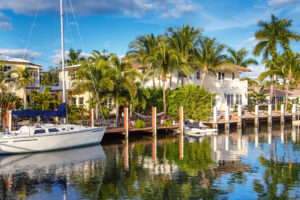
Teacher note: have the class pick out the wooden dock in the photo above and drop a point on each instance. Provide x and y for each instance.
(136, 130)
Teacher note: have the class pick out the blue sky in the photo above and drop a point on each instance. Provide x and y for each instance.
(113, 24)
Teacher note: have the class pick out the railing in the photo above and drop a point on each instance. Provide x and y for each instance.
(35, 83)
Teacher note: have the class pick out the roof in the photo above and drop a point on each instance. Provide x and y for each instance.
(294, 92)
(233, 67)
(8, 59)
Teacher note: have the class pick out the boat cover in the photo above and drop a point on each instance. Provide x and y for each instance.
(60, 112)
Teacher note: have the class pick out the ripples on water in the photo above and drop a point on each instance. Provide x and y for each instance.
(256, 164)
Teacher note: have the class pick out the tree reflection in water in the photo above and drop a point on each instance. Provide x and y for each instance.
(168, 168)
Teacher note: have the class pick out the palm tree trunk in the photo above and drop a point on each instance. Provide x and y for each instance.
(202, 78)
(271, 91)
(153, 82)
(25, 99)
(164, 94)
(182, 80)
(130, 109)
(287, 86)
(171, 76)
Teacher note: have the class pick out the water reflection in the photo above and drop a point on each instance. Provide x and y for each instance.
(256, 163)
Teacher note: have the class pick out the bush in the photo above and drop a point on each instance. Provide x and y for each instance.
(197, 102)
(167, 123)
(139, 124)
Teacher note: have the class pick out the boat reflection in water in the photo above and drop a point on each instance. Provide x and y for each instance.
(22, 175)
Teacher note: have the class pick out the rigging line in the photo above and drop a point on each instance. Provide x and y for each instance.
(83, 48)
(32, 25)
(68, 27)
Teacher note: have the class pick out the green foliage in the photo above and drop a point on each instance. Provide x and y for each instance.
(50, 77)
(195, 100)
(77, 112)
(139, 124)
(167, 123)
(43, 101)
(155, 99)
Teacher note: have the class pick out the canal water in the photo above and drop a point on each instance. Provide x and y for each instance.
(261, 163)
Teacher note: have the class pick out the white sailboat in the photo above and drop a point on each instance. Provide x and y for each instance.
(49, 137)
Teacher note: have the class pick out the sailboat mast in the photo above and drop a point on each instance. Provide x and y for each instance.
(62, 52)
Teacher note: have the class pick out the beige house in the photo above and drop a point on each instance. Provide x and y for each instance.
(15, 63)
(72, 97)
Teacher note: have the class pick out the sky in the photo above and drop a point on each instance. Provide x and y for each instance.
(31, 28)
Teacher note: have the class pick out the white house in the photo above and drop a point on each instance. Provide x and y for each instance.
(226, 84)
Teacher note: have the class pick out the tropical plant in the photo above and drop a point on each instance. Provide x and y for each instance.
(21, 78)
(139, 124)
(272, 34)
(251, 82)
(44, 101)
(74, 57)
(183, 40)
(257, 97)
(208, 57)
(50, 77)
(239, 58)
(196, 101)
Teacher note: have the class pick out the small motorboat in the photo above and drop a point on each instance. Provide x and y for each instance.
(197, 129)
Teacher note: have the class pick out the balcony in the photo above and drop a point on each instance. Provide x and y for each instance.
(34, 84)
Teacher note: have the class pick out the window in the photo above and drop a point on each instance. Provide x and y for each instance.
(219, 75)
(237, 99)
(51, 130)
(223, 75)
(7, 68)
(229, 100)
(232, 76)
(198, 74)
(81, 99)
(73, 101)
(39, 131)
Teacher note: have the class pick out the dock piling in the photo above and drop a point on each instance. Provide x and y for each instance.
(256, 120)
(126, 128)
(154, 130)
(282, 114)
(9, 120)
(215, 124)
(240, 114)
(181, 119)
(270, 115)
(91, 117)
(227, 123)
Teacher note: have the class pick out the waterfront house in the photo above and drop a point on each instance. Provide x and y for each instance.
(9, 63)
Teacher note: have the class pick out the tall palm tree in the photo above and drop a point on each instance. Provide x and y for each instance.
(272, 34)
(183, 40)
(22, 78)
(164, 61)
(251, 82)
(209, 57)
(239, 58)
(74, 57)
(290, 70)
(143, 50)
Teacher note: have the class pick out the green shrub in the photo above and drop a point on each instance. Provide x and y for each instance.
(139, 124)
(196, 101)
(167, 123)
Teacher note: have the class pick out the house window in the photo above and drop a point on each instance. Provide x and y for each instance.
(229, 100)
(81, 100)
(219, 75)
(198, 74)
(223, 75)
(73, 100)
(7, 68)
(232, 76)
(237, 99)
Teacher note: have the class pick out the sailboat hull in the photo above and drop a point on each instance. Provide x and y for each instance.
(50, 142)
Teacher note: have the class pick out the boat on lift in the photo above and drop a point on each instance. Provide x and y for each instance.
(197, 129)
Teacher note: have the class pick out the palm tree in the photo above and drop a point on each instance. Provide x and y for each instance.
(143, 49)
(163, 61)
(50, 77)
(272, 34)
(22, 78)
(257, 97)
(74, 57)
(290, 70)
(239, 58)
(251, 82)
(44, 101)
(183, 40)
(209, 56)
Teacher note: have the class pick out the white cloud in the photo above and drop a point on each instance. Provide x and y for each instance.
(132, 8)
(4, 23)
(256, 70)
(248, 43)
(181, 8)
(20, 53)
(280, 3)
